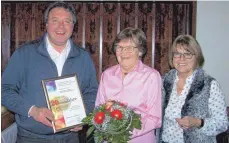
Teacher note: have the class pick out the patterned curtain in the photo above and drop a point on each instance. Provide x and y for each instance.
(5, 35)
(97, 25)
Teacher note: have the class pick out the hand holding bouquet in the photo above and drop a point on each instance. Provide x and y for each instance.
(112, 122)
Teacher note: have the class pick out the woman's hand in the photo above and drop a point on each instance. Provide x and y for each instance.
(188, 122)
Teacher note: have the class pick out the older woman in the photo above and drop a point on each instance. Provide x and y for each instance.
(194, 105)
(133, 83)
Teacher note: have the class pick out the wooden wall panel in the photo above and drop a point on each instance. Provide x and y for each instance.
(181, 19)
(92, 32)
(5, 34)
(163, 35)
(97, 25)
(78, 35)
(109, 27)
(13, 39)
(23, 24)
(127, 15)
(146, 14)
(38, 19)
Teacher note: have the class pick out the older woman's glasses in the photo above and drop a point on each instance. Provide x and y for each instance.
(128, 48)
(185, 55)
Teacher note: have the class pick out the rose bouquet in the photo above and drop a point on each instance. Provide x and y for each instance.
(112, 122)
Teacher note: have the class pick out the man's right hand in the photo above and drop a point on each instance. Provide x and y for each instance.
(43, 115)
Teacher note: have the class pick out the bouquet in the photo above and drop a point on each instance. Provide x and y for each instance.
(112, 122)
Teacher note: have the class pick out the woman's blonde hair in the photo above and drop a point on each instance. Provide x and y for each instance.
(189, 44)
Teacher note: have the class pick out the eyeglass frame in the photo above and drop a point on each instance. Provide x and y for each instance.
(121, 48)
(183, 54)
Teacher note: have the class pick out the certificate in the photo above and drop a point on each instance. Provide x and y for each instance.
(64, 99)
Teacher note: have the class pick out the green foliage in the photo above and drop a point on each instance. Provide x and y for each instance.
(136, 123)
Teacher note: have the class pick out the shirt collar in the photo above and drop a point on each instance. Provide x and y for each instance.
(53, 53)
(138, 68)
(189, 79)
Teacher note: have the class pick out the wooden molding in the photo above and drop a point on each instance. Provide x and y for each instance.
(7, 120)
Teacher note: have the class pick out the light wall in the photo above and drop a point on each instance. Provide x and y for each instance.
(212, 34)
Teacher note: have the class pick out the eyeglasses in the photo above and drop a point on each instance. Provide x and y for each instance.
(128, 48)
(185, 55)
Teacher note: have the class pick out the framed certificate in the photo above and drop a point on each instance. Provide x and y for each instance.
(64, 99)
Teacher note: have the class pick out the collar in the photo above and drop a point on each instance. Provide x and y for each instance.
(189, 78)
(74, 50)
(138, 68)
(53, 53)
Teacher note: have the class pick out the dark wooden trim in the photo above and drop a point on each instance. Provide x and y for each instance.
(7, 119)
(194, 12)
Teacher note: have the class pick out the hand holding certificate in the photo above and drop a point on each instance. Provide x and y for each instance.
(64, 99)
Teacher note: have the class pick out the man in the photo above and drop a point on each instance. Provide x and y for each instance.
(54, 55)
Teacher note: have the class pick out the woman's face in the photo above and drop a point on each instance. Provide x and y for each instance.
(127, 54)
(184, 61)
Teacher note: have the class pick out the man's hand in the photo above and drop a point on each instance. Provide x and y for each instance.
(77, 128)
(43, 115)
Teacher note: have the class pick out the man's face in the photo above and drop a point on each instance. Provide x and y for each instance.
(59, 26)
